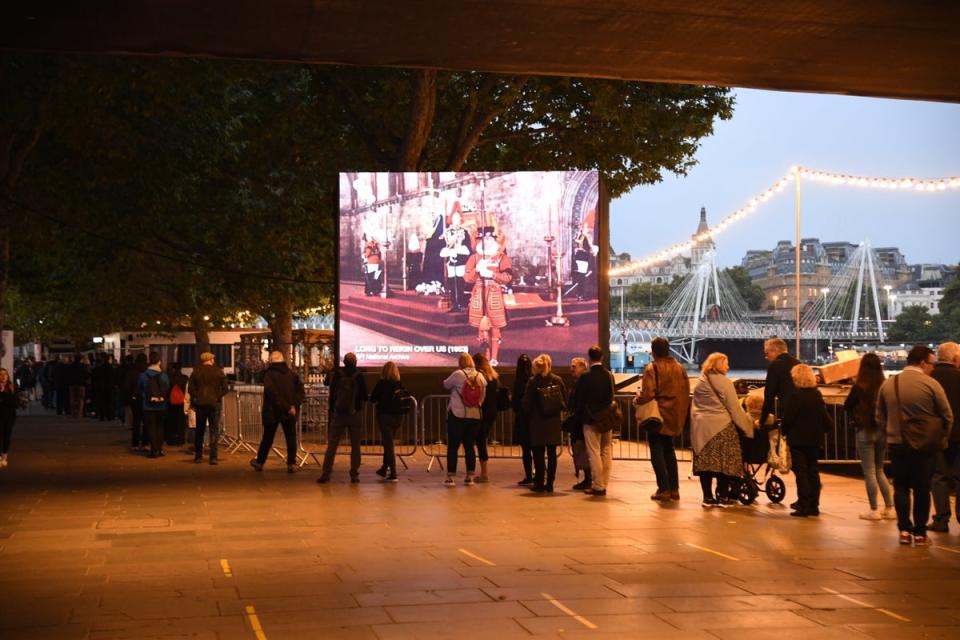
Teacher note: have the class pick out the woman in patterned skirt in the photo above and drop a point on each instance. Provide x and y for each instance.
(715, 415)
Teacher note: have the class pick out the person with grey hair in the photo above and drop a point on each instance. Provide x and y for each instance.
(779, 385)
(348, 392)
(282, 396)
(946, 475)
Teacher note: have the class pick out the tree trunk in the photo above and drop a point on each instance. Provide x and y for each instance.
(281, 329)
(201, 334)
(423, 105)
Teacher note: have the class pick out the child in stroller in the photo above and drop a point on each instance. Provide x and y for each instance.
(761, 457)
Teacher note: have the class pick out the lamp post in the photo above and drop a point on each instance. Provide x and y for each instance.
(823, 321)
(887, 288)
(890, 305)
(776, 306)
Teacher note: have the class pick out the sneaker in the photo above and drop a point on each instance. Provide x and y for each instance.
(580, 486)
(920, 541)
(525, 482)
(889, 513)
(382, 472)
(596, 492)
(799, 514)
(709, 502)
(213, 462)
(392, 478)
(906, 537)
(481, 479)
(197, 460)
(324, 479)
(468, 481)
(873, 514)
(940, 526)
(449, 482)
(257, 466)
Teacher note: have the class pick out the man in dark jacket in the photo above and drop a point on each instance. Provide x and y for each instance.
(779, 385)
(207, 386)
(946, 476)
(154, 386)
(595, 388)
(348, 392)
(282, 396)
(130, 388)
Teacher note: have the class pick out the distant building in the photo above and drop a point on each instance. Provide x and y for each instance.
(914, 296)
(663, 273)
(775, 271)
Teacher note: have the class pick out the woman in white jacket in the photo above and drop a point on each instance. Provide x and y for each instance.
(715, 415)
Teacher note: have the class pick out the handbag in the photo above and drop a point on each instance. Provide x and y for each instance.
(551, 400)
(779, 455)
(921, 433)
(610, 417)
(648, 414)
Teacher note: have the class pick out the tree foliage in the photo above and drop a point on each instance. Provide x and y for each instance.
(174, 189)
(914, 324)
(752, 294)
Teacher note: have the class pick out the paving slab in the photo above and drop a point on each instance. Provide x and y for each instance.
(99, 543)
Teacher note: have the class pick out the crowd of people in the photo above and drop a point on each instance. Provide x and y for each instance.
(908, 416)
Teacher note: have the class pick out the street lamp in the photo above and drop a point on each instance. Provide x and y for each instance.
(824, 291)
(893, 299)
(776, 306)
(887, 288)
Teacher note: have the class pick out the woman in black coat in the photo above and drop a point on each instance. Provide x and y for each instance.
(389, 416)
(8, 413)
(805, 421)
(521, 431)
(544, 401)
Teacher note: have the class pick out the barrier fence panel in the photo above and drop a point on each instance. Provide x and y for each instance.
(501, 441)
(230, 421)
(315, 430)
(631, 441)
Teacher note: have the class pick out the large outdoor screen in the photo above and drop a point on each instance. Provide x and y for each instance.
(434, 264)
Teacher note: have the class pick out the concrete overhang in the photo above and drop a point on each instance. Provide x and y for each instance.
(887, 48)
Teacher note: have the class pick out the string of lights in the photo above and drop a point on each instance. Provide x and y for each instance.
(920, 185)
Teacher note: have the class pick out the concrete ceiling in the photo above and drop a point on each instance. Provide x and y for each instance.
(888, 48)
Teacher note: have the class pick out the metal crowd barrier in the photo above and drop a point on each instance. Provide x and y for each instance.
(315, 428)
(630, 442)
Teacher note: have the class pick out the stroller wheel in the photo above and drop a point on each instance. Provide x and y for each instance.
(748, 491)
(776, 490)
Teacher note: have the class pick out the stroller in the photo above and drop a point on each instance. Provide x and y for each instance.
(759, 476)
(759, 470)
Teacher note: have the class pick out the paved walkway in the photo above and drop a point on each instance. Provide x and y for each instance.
(96, 542)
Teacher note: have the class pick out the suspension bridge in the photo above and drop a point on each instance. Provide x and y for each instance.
(707, 306)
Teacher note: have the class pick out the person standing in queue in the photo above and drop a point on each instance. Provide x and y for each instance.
(913, 403)
(488, 412)
(779, 384)
(544, 401)
(715, 416)
(805, 421)
(521, 430)
(861, 410)
(154, 388)
(466, 386)
(573, 424)
(8, 413)
(282, 396)
(595, 390)
(946, 473)
(207, 386)
(348, 392)
(389, 414)
(665, 381)
(134, 400)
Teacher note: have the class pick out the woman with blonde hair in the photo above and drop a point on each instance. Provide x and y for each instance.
(8, 413)
(389, 414)
(544, 401)
(488, 412)
(467, 387)
(805, 421)
(715, 416)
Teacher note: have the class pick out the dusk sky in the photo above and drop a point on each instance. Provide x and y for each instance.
(771, 131)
